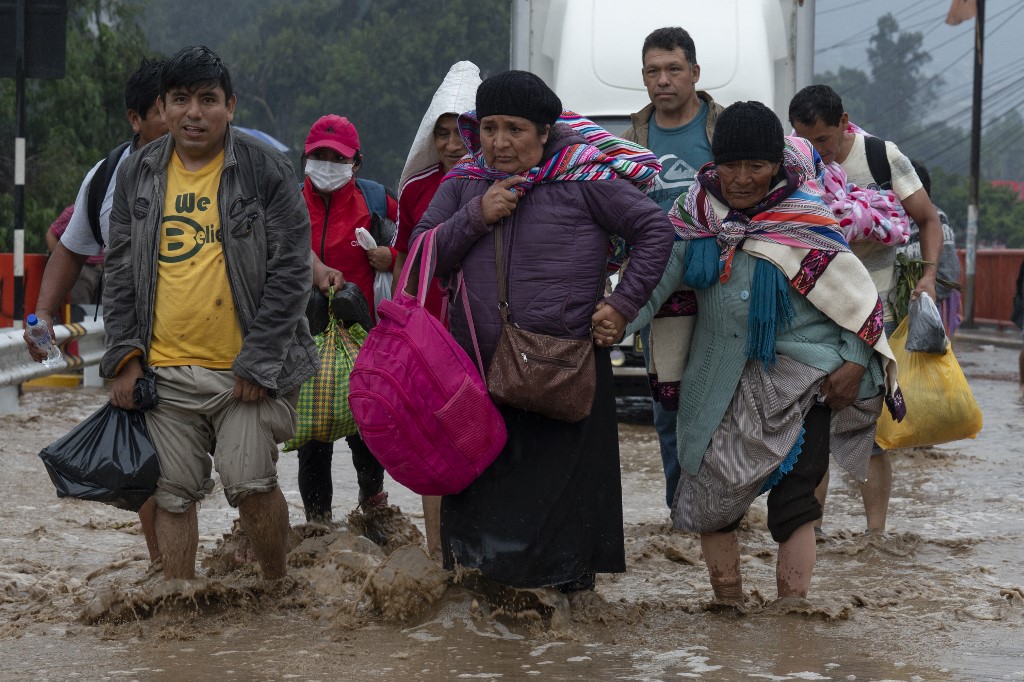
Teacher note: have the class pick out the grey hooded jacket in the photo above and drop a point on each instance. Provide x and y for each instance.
(266, 241)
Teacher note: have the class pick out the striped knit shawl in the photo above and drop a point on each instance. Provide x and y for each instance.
(792, 214)
(799, 236)
(601, 157)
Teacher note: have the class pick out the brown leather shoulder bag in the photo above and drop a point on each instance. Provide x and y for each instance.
(551, 376)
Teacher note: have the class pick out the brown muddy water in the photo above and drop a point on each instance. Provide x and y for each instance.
(939, 597)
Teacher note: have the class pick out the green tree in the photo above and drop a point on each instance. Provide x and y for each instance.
(895, 100)
(299, 61)
(899, 91)
(891, 101)
(938, 144)
(170, 26)
(396, 61)
(853, 85)
(1000, 210)
(1002, 147)
(71, 122)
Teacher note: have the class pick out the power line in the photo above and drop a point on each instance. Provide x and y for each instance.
(935, 25)
(1010, 67)
(1015, 139)
(965, 32)
(938, 74)
(869, 30)
(845, 5)
(1000, 112)
(1002, 72)
(965, 112)
(958, 143)
(924, 132)
(865, 35)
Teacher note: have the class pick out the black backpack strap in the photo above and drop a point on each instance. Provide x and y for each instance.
(878, 161)
(98, 190)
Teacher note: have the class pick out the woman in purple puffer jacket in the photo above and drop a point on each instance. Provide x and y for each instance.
(548, 511)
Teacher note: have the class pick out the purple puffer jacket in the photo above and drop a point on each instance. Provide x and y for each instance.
(556, 248)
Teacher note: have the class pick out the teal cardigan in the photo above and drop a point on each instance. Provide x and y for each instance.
(718, 349)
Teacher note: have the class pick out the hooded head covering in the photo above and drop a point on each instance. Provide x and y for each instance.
(456, 95)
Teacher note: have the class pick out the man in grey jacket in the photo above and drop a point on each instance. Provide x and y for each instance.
(207, 275)
(677, 126)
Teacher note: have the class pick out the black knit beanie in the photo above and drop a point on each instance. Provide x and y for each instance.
(518, 93)
(747, 130)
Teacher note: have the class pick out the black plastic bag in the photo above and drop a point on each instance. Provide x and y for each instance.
(107, 458)
(144, 394)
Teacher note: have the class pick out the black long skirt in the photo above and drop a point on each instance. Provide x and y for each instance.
(549, 509)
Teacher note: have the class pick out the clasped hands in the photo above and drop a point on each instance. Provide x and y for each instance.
(607, 324)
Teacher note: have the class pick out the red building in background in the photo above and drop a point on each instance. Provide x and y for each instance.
(1017, 187)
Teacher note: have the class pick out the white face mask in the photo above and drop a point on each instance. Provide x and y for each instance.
(328, 176)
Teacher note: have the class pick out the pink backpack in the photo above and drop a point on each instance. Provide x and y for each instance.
(418, 399)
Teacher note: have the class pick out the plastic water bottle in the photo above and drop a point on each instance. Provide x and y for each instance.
(40, 335)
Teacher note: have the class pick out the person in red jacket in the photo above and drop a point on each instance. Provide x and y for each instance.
(338, 204)
(436, 148)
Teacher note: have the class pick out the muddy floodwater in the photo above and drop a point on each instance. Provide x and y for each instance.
(940, 596)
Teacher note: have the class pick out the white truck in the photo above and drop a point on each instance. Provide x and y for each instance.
(589, 52)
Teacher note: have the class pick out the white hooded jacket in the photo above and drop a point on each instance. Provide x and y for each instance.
(457, 94)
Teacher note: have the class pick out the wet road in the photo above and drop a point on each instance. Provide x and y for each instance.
(940, 596)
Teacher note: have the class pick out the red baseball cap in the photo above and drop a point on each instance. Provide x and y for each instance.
(333, 132)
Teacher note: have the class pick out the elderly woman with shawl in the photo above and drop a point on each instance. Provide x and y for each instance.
(778, 343)
(548, 511)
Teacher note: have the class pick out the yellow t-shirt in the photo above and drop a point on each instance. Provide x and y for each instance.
(194, 319)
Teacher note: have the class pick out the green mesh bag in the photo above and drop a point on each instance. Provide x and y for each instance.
(324, 413)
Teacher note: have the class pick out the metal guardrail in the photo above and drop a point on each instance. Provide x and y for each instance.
(17, 366)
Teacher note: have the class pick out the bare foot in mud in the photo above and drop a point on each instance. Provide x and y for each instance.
(742, 604)
(797, 605)
(154, 570)
(278, 587)
(716, 605)
(897, 544)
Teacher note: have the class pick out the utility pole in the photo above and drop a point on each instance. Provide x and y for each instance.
(19, 164)
(33, 44)
(972, 199)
